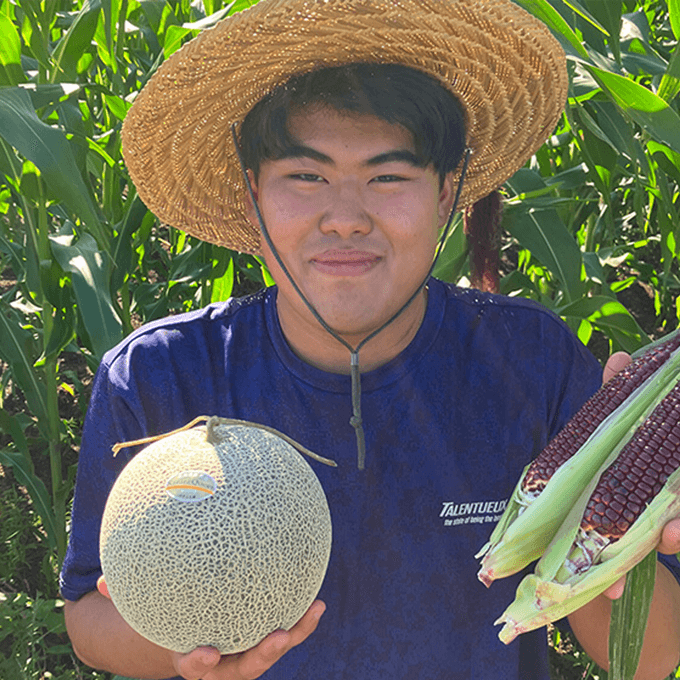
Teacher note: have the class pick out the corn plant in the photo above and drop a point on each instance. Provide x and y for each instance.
(88, 259)
(612, 167)
(597, 208)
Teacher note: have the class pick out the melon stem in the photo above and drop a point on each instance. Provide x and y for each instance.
(211, 423)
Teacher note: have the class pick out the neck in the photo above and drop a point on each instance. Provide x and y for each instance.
(314, 345)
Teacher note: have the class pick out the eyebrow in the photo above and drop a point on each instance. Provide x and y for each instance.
(398, 155)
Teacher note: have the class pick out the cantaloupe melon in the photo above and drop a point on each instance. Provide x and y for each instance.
(215, 540)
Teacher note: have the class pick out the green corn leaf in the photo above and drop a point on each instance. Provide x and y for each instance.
(50, 151)
(32, 33)
(589, 123)
(674, 16)
(90, 274)
(222, 286)
(174, 38)
(19, 348)
(668, 160)
(175, 35)
(585, 14)
(544, 11)
(160, 16)
(266, 276)
(11, 72)
(629, 619)
(36, 490)
(647, 109)
(670, 82)
(608, 13)
(614, 128)
(110, 9)
(454, 254)
(543, 233)
(75, 42)
(121, 252)
(610, 316)
(42, 95)
(118, 106)
(10, 165)
(62, 333)
(11, 426)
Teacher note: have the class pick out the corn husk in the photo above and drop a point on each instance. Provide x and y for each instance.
(552, 592)
(528, 525)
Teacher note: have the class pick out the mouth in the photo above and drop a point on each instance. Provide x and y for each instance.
(345, 262)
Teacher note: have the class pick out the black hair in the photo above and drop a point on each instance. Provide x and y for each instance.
(395, 93)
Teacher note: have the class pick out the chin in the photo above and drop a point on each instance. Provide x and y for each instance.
(355, 327)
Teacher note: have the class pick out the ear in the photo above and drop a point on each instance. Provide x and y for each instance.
(446, 197)
(250, 208)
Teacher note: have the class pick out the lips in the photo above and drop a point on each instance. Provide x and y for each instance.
(345, 262)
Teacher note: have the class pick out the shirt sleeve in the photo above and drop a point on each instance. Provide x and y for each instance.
(671, 561)
(578, 375)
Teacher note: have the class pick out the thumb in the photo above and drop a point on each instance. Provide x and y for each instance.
(615, 363)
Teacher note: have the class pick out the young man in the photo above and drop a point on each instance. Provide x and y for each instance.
(354, 169)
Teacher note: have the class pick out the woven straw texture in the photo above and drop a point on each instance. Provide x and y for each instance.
(503, 65)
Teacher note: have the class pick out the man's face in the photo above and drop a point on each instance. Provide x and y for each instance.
(353, 218)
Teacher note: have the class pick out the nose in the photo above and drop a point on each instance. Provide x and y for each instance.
(346, 213)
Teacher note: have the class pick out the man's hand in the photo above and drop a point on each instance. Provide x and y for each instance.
(206, 663)
(668, 545)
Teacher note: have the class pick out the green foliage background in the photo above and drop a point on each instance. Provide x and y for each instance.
(84, 262)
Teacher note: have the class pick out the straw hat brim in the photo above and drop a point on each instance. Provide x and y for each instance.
(507, 70)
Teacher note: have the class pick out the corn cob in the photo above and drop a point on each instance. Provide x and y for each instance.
(630, 484)
(570, 460)
(605, 401)
(610, 529)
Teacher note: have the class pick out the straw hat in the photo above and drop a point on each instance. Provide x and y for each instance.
(504, 66)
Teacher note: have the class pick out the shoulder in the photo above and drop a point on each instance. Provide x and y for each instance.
(525, 344)
(476, 303)
(183, 331)
(513, 321)
(186, 353)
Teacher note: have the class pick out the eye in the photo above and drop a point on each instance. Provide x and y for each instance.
(307, 177)
(388, 178)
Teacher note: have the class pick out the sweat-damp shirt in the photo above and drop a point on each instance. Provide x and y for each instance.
(450, 423)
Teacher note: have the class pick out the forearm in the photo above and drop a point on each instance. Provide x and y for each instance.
(661, 648)
(103, 640)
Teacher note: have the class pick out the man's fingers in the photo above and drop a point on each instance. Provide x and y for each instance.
(205, 663)
(615, 591)
(198, 663)
(102, 587)
(256, 661)
(670, 538)
(615, 363)
(307, 624)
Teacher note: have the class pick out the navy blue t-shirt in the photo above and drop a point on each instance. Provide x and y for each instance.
(450, 423)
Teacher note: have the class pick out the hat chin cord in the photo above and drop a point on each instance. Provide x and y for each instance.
(355, 421)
